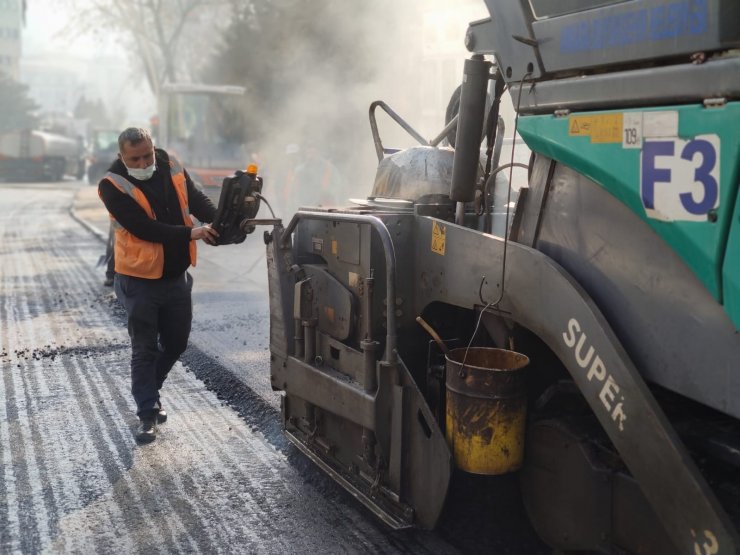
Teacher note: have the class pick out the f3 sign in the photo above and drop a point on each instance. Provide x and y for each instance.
(679, 179)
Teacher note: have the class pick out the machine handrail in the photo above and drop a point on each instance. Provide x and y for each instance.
(390, 262)
(443, 134)
(395, 117)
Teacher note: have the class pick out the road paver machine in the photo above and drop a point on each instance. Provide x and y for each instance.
(591, 344)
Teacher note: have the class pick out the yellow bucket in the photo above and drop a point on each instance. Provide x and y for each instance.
(486, 409)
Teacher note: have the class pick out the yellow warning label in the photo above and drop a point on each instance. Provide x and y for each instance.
(607, 129)
(602, 128)
(334, 247)
(438, 238)
(579, 126)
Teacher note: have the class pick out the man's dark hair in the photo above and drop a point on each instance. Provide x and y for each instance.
(133, 135)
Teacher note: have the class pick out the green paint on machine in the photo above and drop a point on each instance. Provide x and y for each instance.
(676, 167)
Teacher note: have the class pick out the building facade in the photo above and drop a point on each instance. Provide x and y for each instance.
(11, 23)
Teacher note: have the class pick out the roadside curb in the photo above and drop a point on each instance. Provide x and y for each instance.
(90, 228)
(84, 223)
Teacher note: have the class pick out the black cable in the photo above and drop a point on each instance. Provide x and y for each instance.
(263, 199)
(461, 372)
(491, 181)
(508, 196)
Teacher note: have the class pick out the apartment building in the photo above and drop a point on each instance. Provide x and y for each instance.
(11, 21)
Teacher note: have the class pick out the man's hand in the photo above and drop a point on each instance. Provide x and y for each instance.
(205, 232)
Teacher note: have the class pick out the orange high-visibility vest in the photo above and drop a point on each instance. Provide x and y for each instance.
(136, 257)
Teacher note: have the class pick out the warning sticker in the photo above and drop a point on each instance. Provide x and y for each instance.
(648, 125)
(603, 128)
(632, 132)
(438, 238)
(579, 126)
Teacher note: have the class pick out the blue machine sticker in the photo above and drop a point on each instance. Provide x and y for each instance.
(679, 179)
(681, 18)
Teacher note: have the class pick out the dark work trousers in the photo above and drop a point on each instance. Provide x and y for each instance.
(110, 268)
(159, 316)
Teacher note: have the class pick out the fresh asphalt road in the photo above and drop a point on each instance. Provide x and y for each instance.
(220, 477)
(72, 478)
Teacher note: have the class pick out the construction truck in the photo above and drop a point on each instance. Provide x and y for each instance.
(582, 332)
(102, 152)
(30, 155)
(198, 123)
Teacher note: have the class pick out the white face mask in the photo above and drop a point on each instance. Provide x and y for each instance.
(142, 174)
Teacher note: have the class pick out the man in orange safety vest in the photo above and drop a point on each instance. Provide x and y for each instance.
(150, 197)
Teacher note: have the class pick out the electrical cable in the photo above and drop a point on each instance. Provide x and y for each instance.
(263, 199)
(490, 180)
(461, 372)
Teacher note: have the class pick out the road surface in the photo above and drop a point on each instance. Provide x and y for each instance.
(220, 477)
(72, 478)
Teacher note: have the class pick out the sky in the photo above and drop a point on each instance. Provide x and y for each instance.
(99, 63)
(46, 21)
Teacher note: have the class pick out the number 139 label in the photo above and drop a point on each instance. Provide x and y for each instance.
(679, 179)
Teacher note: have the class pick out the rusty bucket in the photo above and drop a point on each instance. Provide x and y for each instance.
(486, 409)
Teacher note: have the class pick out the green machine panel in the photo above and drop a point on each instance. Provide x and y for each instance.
(676, 167)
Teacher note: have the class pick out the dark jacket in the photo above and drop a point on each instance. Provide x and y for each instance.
(169, 228)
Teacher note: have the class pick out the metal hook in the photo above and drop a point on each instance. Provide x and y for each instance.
(480, 291)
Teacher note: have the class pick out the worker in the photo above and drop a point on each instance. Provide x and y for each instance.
(150, 197)
(316, 181)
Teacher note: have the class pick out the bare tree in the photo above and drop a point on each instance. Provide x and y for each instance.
(159, 34)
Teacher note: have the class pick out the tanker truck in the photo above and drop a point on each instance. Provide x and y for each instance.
(39, 156)
(591, 345)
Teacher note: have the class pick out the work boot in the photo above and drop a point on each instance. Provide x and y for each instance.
(161, 415)
(147, 431)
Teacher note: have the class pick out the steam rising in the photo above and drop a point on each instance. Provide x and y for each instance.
(311, 70)
(311, 74)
